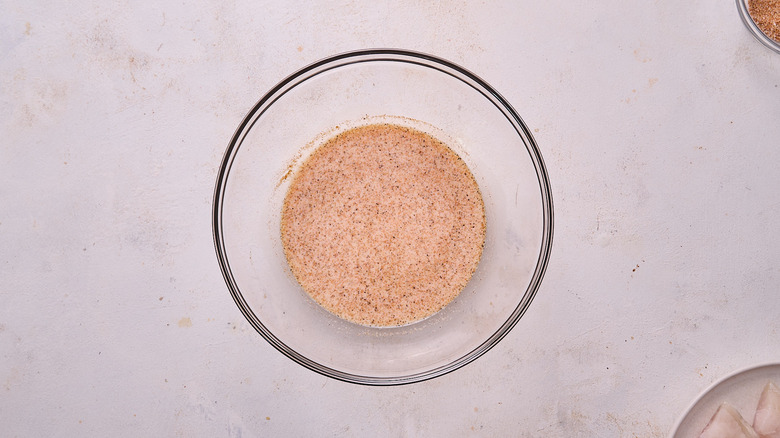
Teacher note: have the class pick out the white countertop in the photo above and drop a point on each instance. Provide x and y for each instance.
(659, 125)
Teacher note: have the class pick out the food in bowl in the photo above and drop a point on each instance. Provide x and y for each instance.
(766, 421)
(766, 15)
(762, 19)
(727, 421)
(383, 225)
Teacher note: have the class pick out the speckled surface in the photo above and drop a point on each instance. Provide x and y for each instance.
(658, 122)
(383, 225)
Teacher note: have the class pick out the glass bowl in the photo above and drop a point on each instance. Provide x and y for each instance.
(365, 87)
(744, 13)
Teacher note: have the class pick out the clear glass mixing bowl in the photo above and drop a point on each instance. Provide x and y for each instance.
(412, 89)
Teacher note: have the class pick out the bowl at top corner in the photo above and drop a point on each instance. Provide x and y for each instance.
(389, 86)
(744, 13)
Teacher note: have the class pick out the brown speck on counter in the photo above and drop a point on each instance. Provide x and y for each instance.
(383, 225)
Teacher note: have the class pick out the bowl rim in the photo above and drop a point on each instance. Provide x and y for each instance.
(747, 20)
(420, 59)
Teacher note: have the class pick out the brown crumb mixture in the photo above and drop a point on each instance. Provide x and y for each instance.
(766, 14)
(383, 225)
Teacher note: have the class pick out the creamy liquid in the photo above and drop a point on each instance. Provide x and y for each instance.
(383, 225)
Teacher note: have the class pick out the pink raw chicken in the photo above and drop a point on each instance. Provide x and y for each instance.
(728, 423)
(767, 419)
